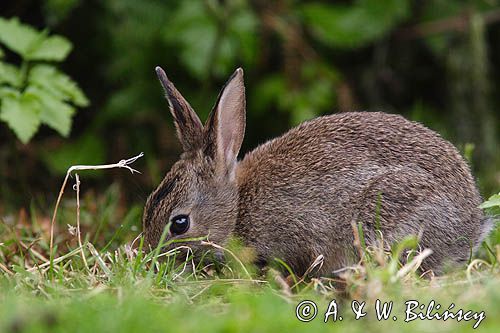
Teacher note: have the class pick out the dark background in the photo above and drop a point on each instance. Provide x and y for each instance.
(434, 61)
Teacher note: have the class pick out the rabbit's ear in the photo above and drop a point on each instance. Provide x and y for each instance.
(188, 125)
(225, 127)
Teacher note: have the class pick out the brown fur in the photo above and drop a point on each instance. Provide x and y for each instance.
(296, 196)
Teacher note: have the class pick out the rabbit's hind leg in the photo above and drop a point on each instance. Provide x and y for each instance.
(403, 201)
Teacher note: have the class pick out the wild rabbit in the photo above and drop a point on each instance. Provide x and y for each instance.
(297, 196)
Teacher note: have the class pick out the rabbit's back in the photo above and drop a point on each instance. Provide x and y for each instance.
(300, 193)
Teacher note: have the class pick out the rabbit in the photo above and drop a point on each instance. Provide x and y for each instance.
(297, 196)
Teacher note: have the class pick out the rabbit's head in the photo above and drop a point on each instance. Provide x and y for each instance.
(199, 196)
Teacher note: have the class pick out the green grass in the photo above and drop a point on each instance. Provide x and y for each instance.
(122, 289)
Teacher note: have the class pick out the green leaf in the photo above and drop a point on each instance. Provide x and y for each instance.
(8, 92)
(195, 32)
(54, 48)
(18, 37)
(2, 53)
(9, 74)
(32, 44)
(54, 112)
(492, 206)
(356, 25)
(21, 113)
(492, 202)
(201, 49)
(58, 84)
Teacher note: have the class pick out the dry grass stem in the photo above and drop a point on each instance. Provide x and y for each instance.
(357, 240)
(413, 265)
(5, 269)
(121, 164)
(230, 252)
(78, 231)
(278, 278)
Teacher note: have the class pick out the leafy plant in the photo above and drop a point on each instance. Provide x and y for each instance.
(218, 34)
(492, 205)
(355, 25)
(36, 92)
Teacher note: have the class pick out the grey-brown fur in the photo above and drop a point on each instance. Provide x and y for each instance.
(296, 196)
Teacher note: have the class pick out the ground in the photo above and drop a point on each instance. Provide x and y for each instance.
(109, 284)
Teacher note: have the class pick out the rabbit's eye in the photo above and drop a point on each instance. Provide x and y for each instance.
(180, 224)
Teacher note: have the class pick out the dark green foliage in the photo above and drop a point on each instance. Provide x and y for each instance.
(433, 61)
(355, 25)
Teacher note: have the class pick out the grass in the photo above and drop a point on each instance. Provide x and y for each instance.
(110, 285)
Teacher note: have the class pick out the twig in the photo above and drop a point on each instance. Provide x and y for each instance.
(412, 265)
(188, 253)
(54, 215)
(99, 260)
(30, 249)
(55, 260)
(8, 271)
(77, 189)
(121, 164)
(317, 262)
